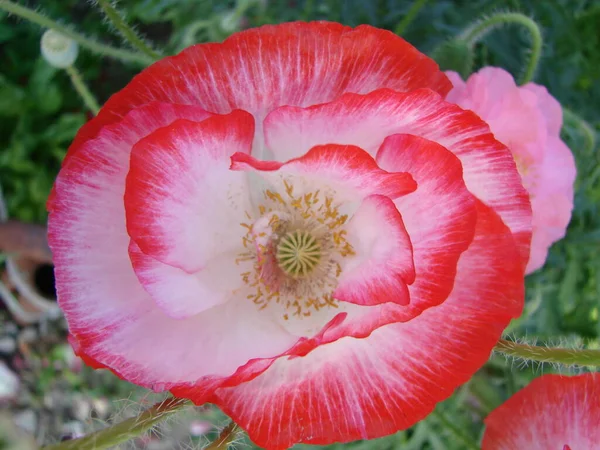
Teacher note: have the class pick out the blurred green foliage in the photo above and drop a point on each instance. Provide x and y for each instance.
(40, 114)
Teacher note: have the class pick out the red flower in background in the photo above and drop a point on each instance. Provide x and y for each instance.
(552, 412)
(295, 226)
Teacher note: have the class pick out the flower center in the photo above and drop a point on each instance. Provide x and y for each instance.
(298, 253)
(296, 244)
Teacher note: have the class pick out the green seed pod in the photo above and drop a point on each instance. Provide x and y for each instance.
(59, 50)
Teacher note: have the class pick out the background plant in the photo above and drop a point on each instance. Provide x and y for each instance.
(40, 114)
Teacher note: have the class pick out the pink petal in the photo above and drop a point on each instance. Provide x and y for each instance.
(384, 264)
(366, 120)
(485, 99)
(558, 171)
(458, 86)
(553, 411)
(549, 106)
(113, 321)
(181, 294)
(512, 113)
(182, 202)
(345, 168)
(528, 120)
(366, 388)
(85, 217)
(204, 351)
(439, 216)
(552, 198)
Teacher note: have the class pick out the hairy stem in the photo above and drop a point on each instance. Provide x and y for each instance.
(410, 16)
(126, 430)
(90, 44)
(481, 28)
(83, 91)
(128, 33)
(225, 438)
(564, 356)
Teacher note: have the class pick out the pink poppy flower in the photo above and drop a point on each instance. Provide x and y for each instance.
(295, 226)
(552, 412)
(527, 120)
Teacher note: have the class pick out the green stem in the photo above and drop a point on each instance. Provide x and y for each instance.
(83, 91)
(90, 44)
(564, 356)
(225, 438)
(467, 440)
(125, 30)
(410, 16)
(480, 29)
(588, 132)
(126, 430)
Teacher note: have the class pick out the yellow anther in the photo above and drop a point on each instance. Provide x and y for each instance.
(275, 197)
(289, 189)
(296, 258)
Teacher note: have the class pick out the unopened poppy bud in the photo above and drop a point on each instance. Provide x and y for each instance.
(59, 50)
(456, 55)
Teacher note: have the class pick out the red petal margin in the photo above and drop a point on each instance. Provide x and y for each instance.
(344, 165)
(440, 216)
(366, 388)
(260, 69)
(88, 360)
(386, 266)
(552, 412)
(177, 188)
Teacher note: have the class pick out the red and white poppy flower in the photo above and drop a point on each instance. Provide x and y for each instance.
(553, 412)
(295, 226)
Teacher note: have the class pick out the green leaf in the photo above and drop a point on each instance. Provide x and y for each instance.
(45, 93)
(12, 99)
(64, 130)
(6, 32)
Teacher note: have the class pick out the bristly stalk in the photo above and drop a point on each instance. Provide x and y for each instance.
(117, 20)
(136, 426)
(83, 91)
(92, 45)
(552, 355)
(483, 27)
(226, 437)
(126, 430)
